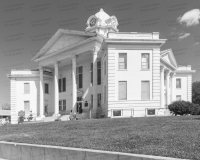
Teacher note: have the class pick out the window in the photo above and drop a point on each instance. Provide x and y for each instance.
(150, 111)
(26, 88)
(104, 67)
(91, 71)
(104, 94)
(117, 113)
(178, 97)
(79, 77)
(178, 83)
(62, 105)
(99, 100)
(62, 85)
(98, 72)
(46, 88)
(145, 60)
(145, 90)
(27, 107)
(122, 90)
(122, 60)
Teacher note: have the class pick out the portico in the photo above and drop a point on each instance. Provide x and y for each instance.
(166, 85)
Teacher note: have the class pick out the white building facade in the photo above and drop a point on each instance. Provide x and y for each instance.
(100, 72)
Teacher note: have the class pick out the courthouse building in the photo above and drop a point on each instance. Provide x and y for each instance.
(100, 72)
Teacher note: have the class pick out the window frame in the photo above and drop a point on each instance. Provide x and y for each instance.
(61, 105)
(99, 100)
(61, 85)
(148, 62)
(149, 90)
(29, 88)
(46, 88)
(79, 76)
(98, 72)
(125, 61)
(105, 67)
(178, 96)
(149, 109)
(119, 91)
(115, 111)
(29, 106)
(178, 87)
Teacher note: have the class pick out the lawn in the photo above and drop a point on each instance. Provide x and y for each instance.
(162, 136)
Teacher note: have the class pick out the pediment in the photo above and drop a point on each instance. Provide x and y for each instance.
(168, 56)
(65, 41)
(61, 39)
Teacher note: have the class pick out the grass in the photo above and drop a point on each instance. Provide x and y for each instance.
(177, 137)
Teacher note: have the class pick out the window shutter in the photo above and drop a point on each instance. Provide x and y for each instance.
(59, 83)
(122, 90)
(46, 87)
(26, 88)
(145, 90)
(64, 105)
(64, 84)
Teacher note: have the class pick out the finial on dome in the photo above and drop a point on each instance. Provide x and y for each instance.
(101, 10)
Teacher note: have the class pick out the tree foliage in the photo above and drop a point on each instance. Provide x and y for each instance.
(196, 93)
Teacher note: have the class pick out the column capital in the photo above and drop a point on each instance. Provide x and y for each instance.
(95, 50)
(172, 74)
(41, 67)
(162, 68)
(167, 72)
(56, 63)
(73, 56)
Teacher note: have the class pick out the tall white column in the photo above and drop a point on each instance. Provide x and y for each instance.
(56, 92)
(161, 86)
(41, 92)
(167, 87)
(74, 88)
(94, 87)
(171, 87)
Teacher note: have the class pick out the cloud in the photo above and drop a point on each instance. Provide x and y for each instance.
(190, 18)
(174, 36)
(183, 35)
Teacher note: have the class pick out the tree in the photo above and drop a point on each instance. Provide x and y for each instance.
(196, 93)
(5, 106)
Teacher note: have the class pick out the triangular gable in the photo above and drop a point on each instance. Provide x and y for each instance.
(62, 38)
(168, 56)
(65, 41)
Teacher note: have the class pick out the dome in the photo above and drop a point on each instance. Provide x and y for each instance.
(102, 15)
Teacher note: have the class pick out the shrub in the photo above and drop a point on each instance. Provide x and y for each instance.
(196, 92)
(184, 108)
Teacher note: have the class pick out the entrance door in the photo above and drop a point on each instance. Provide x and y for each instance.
(79, 105)
(46, 107)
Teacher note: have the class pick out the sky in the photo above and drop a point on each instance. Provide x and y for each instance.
(26, 26)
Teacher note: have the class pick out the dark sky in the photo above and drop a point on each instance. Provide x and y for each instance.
(26, 25)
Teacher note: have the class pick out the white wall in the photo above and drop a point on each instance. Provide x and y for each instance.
(32, 97)
(133, 75)
(185, 90)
